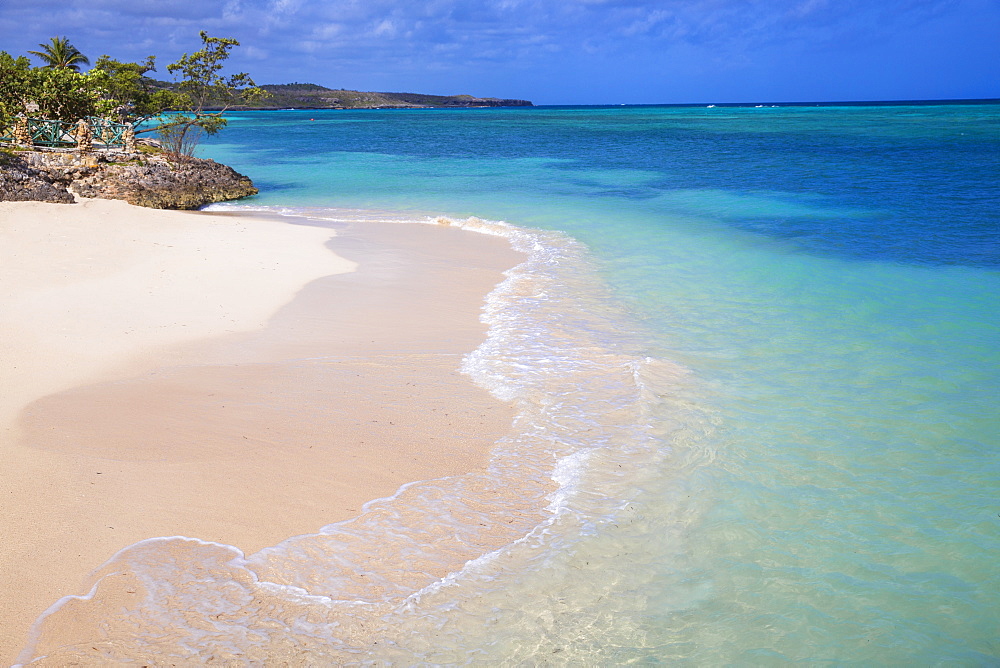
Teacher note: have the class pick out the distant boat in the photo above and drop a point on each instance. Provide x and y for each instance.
(711, 106)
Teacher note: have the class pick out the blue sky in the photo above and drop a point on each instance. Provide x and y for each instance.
(559, 51)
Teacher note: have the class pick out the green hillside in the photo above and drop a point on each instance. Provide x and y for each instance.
(312, 96)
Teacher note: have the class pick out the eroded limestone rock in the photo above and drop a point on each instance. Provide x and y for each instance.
(153, 181)
(20, 182)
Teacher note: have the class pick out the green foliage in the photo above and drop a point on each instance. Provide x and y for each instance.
(60, 93)
(14, 87)
(205, 94)
(145, 149)
(114, 88)
(128, 93)
(65, 94)
(60, 54)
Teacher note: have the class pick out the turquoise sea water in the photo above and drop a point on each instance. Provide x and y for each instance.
(758, 349)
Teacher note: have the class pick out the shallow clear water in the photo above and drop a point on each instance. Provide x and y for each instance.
(755, 348)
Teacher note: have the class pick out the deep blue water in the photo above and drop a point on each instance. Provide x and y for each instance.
(908, 184)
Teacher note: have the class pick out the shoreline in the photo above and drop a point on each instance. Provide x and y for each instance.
(207, 430)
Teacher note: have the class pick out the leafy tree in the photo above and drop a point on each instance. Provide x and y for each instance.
(205, 94)
(129, 94)
(60, 54)
(15, 77)
(60, 93)
(65, 94)
(115, 88)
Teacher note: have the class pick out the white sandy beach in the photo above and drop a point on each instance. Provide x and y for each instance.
(224, 377)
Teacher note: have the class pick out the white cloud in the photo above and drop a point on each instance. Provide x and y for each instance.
(647, 22)
(254, 53)
(285, 6)
(327, 31)
(385, 28)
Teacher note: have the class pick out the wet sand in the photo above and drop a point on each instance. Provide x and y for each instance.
(232, 379)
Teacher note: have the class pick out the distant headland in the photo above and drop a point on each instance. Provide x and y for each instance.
(313, 96)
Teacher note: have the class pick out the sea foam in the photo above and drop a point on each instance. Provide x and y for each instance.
(407, 580)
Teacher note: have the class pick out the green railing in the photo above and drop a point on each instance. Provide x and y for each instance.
(44, 132)
(107, 132)
(62, 134)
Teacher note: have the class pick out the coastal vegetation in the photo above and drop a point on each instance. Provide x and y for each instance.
(56, 105)
(180, 112)
(59, 93)
(60, 54)
(203, 94)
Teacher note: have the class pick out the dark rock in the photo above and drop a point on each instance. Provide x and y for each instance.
(19, 182)
(144, 180)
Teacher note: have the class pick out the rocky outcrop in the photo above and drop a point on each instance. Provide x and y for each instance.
(154, 181)
(19, 182)
(161, 184)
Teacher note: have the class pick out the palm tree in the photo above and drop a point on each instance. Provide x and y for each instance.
(61, 54)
